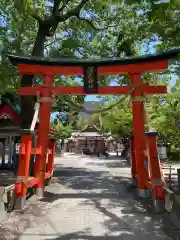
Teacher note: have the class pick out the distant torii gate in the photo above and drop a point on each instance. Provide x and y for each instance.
(91, 69)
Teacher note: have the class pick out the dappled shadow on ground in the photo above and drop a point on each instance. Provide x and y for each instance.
(18, 221)
(113, 197)
(83, 179)
(120, 163)
(111, 162)
(81, 236)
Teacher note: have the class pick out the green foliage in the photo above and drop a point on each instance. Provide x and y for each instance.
(81, 123)
(62, 132)
(117, 120)
(96, 29)
(165, 117)
(100, 30)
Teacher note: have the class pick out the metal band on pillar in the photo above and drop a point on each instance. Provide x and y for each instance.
(138, 98)
(45, 100)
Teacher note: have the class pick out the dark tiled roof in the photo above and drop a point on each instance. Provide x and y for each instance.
(13, 101)
(91, 128)
(173, 53)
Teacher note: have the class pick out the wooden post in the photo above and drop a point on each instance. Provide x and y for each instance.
(10, 152)
(43, 131)
(170, 180)
(14, 153)
(178, 174)
(23, 169)
(3, 153)
(155, 171)
(50, 163)
(139, 138)
(32, 160)
(133, 161)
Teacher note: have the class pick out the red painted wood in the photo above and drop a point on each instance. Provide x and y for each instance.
(154, 89)
(50, 163)
(29, 91)
(155, 167)
(32, 182)
(103, 90)
(23, 166)
(139, 138)
(76, 90)
(48, 175)
(7, 110)
(102, 70)
(133, 160)
(43, 132)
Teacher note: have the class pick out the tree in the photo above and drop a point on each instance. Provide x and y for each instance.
(118, 120)
(82, 29)
(48, 21)
(81, 123)
(62, 132)
(39, 19)
(165, 117)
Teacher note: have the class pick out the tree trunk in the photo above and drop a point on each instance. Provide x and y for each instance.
(27, 102)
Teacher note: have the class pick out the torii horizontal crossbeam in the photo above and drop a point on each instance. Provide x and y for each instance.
(103, 90)
(27, 69)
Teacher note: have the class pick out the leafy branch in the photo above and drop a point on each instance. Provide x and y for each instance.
(58, 16)
(93, 25)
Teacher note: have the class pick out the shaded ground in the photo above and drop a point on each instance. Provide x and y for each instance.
(88, 199)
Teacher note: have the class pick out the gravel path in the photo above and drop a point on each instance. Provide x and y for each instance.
(87, 199)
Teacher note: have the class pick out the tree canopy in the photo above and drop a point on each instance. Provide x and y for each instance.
(86, 29)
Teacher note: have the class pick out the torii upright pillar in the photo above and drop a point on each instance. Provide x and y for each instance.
(139, 139)
(42, 139)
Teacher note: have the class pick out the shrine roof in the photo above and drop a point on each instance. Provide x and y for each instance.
(90, 129)
(67, 61)
(12, 104)
(8, 124)
(9, 112)
(15, 108)
(89, 134)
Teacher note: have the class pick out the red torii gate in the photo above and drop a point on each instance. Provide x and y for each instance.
(91, 69)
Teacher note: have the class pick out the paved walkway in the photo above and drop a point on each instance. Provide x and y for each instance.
(88, 199)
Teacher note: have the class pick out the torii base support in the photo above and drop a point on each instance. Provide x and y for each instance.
(159, 205)
(154, 184)
(158, 194)
(24, 181)
(133, 164)
(43, 132)
(23, 169)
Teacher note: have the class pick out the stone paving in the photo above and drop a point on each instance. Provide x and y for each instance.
(87, 199)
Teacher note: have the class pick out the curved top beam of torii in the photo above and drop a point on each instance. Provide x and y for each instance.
(112, 66)
(67, 61)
